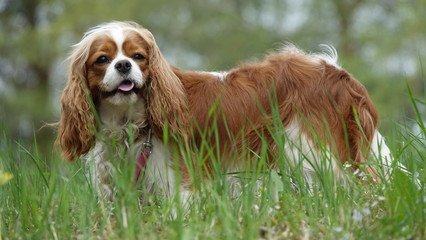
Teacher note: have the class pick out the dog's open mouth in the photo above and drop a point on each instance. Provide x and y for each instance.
(126, 86)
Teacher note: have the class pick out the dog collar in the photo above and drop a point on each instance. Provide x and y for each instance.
(146, 152)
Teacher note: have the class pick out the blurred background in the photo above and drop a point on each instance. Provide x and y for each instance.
(381, 42)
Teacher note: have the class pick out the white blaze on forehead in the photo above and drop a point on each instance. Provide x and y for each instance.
(118, 37)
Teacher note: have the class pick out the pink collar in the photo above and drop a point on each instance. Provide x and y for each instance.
(147, 150)
(141, 163)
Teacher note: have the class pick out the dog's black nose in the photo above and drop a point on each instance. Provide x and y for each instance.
(123, 66)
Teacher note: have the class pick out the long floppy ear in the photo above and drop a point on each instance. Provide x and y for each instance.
(77, 124)
(167, 102)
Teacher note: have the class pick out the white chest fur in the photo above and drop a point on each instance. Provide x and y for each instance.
(121, 125)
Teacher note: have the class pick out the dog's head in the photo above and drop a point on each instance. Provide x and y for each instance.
(116, 63)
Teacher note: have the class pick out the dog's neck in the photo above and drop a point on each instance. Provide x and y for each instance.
(118, 118)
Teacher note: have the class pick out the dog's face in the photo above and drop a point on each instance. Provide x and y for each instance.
(112, 65)
(117, 66)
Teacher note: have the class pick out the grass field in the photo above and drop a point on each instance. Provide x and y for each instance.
(53, 199)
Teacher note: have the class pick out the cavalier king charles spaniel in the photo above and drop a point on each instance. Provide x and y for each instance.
(121, 91)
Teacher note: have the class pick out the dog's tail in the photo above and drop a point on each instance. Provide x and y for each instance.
(367, 148)
(355, 121)
(361, 126)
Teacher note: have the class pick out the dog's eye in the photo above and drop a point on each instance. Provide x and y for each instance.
(138, 56)
(102, 60)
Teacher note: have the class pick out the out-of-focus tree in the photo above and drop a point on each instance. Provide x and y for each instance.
(28, 50)
(381, 42)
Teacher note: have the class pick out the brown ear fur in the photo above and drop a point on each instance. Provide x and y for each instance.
(167, 102)
(77, 123)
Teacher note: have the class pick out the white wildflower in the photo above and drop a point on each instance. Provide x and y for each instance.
(338, 229)
(366, 211)
(357, 216)
(356, 172)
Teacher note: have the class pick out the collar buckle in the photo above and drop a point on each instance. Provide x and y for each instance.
(147, 145)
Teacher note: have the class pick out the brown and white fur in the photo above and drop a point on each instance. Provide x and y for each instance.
(119, 67)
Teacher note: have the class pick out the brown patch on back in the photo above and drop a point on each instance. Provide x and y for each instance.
(321, 96)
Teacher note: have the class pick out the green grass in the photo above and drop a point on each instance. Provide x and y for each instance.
(53, 199)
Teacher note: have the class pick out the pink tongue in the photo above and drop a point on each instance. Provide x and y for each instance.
(126, 86)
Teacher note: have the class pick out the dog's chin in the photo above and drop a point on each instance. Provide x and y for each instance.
(122, 98)
(124, 94)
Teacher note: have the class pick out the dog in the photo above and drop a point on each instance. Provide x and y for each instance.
(118, 74)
